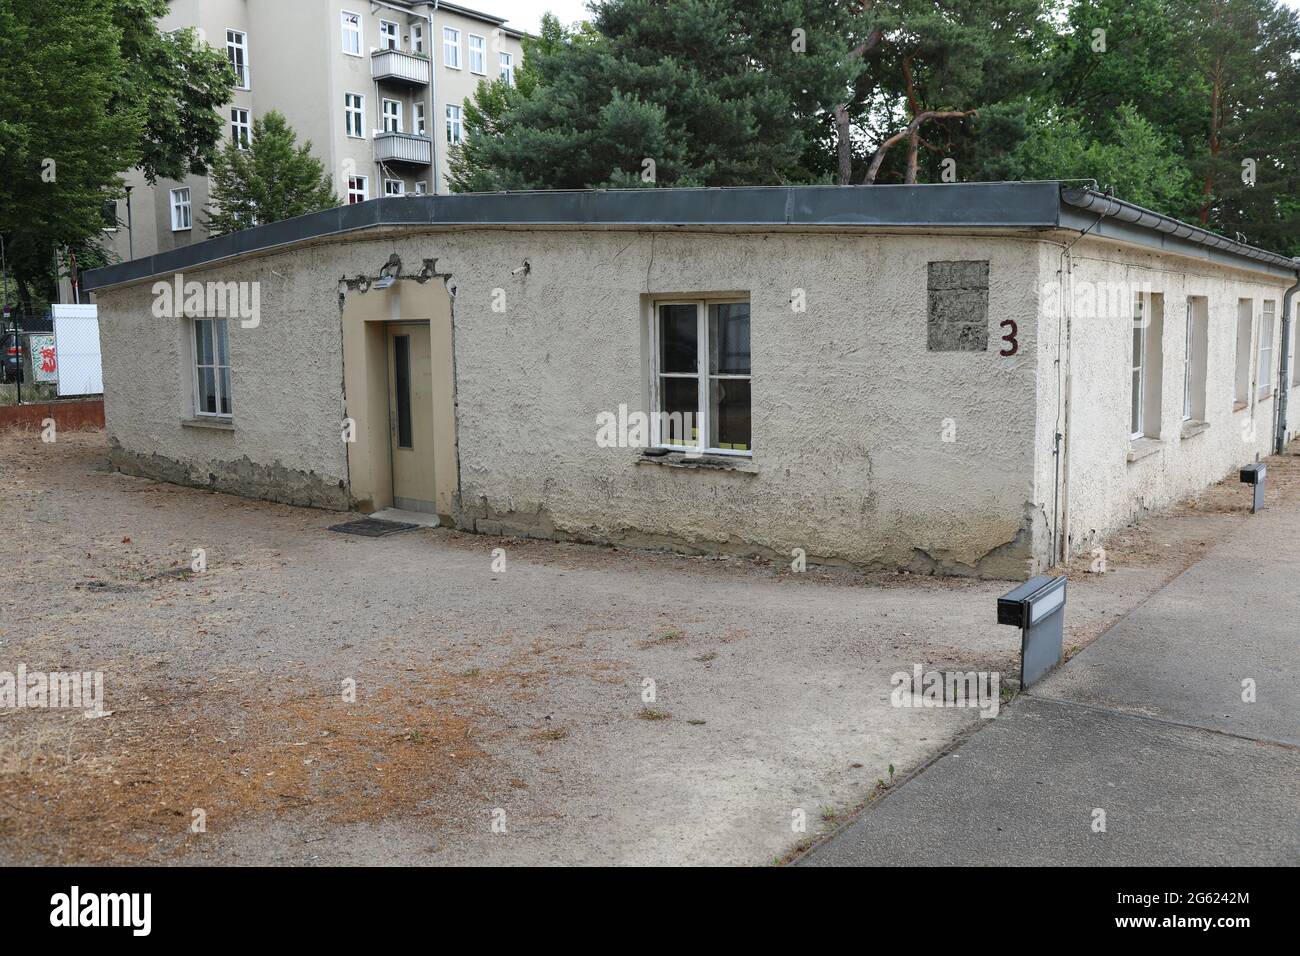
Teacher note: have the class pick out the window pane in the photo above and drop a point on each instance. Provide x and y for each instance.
(1136, 409)
(678, 336)
(223, 344)
(729, 414)
(1137, 348)
(225, 391)
(203, 341)
(729, 338)
(402, 372)
(679, 400)
(207, 391)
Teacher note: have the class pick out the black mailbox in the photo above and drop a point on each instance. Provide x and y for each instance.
(1254, 475)
(1037, 607)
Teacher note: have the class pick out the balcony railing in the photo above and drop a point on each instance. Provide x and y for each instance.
(403, 148)
(396, 66)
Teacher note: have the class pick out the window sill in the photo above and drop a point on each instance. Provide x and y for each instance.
(1140, 448)
(1264, 394)
(1239, 406)
(677, 459)
(1191, 428)
(216, 424)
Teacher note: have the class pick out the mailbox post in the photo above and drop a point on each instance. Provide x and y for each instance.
(1037, 607)
(1254, 475)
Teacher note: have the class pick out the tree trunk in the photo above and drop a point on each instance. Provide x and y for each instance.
(912, 133)
(1216, 122)
(843, 145)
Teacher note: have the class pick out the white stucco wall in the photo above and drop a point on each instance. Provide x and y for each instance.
(1105, 489)
(849, 407)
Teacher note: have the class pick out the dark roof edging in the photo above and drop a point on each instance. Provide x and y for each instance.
(1036, 205)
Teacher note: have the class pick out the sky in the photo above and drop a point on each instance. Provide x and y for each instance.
(527, 14)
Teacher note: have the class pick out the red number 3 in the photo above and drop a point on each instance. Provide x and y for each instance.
(1010, 338)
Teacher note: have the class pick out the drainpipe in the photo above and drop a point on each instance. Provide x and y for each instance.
(435, 126)
(1283, 384)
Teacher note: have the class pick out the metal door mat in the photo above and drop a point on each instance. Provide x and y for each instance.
(372, 527)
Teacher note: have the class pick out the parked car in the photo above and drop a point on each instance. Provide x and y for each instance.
(12, 353)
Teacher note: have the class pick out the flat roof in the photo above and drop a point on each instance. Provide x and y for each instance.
(974, 206)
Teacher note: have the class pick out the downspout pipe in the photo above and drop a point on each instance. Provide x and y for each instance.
(1283, 383)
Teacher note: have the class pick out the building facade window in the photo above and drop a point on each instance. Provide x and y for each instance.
(389, 38)
(418, 119)
(241, 128)
(507, 62)
(1241, 380)
(1265, 372)
(394, 187)
(1195, 358)
(392, 116)
(478, 54)
(358, 189)
(417, 38)
(109, 211)
(451, 48)
(455, 129)
(351, 33)
(701, 376)
(180, 205)
(237, 51)
(211, 368)
(1137, 369)
(421, 187)
(354, 115)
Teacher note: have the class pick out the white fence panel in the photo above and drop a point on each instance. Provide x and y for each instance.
(76, 345)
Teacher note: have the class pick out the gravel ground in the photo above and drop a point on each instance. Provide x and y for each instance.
(499, 714)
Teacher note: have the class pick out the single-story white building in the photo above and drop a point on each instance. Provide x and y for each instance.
(969, 378)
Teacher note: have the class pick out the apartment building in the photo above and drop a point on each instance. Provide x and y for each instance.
(377, 87)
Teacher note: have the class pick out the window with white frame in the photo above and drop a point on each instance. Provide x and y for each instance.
(1295, 353)
(109, 211)
(394, 187)
(1187, 364)
(701, 376)
(180, 203)
(417, 38)
(358, 189)
(237, 51)
(351, 33)
(389, 38)
(418, 119)
(1265, 373)
(507, 61)
(478, 54)
(455, 129)
(211, 368)
(451, 48)
(421, 187)
(241, 128)
(1139, 367)
(392, 116)
(1241, 373)
(1195, 358)
(354, 115)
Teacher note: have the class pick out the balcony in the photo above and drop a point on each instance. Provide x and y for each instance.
(403, 148)
(396, 66)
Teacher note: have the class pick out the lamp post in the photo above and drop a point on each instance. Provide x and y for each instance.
(130, 237)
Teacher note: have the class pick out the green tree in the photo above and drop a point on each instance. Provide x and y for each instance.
(272, 179)
(88, 90)
(678, 84)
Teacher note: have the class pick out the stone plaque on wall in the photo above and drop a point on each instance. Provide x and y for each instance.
(958, 306)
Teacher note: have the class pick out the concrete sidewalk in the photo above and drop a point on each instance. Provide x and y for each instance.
(1146, 724)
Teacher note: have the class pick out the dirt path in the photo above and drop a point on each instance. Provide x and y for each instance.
(512, 698)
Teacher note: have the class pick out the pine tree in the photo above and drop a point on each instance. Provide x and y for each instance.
(272, 179)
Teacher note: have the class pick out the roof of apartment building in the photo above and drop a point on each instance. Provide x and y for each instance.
(965, 206)
(464, 12)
